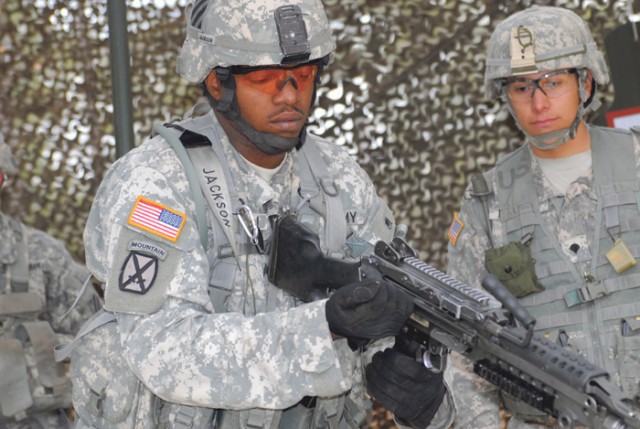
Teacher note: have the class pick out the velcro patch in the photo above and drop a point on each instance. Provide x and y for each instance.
(455, 229)
(138, 273)
(157, 219)
(523, 56)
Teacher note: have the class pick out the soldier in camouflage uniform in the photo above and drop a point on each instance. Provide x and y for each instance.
(194, 334)
(39, 282)
(557, 219)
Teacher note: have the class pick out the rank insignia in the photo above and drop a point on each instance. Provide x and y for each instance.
(138, 273)
(455, 229)
(157, 219)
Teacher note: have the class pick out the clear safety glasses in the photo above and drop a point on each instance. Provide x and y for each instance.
(554, 84)
(271, 80)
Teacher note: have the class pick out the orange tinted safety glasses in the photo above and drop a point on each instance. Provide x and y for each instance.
(271, 80)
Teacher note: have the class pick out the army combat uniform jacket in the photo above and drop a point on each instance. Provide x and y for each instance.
(259, 351)
(586, 305)
(39, 282)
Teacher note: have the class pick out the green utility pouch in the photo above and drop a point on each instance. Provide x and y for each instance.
(513, 265)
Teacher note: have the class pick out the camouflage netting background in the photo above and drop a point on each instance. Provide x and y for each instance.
(404, 96)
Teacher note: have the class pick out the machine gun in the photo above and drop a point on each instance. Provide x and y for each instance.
(495, 331)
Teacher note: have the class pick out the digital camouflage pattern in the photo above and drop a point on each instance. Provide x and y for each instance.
(561, 40)
(53, 275)
(39, 282)
(243, 32)
(563, 226)
(8, 163)
(267, 350)
(477, 401)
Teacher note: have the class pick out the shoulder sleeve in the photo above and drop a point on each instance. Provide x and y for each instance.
(468, 240)
(141, 228)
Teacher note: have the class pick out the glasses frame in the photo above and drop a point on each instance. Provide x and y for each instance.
(249, 69)
(535, 82)
(297, 84)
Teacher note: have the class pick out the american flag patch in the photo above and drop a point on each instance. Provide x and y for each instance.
(157, 219)
(455, 229)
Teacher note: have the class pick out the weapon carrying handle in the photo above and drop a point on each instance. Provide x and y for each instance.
(491, 283)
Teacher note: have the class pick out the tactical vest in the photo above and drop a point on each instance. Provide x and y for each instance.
(583, 309)
(26, 344)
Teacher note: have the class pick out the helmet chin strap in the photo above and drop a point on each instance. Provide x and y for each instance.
(554, 139)
(228, 106)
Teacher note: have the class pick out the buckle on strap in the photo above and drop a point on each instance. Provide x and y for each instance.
(257, 418)
(584, 294)
(184, 417)
(96, 398)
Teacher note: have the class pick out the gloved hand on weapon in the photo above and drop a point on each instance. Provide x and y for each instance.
(369, 309)
(405, 387)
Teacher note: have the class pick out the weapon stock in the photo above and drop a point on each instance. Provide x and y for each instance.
(449, 315)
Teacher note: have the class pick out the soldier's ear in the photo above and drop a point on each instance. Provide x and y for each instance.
(213, 85)
(588, 85)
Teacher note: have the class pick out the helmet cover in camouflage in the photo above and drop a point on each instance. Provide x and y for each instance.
(541, 38)
(223, 33)
(8, 162)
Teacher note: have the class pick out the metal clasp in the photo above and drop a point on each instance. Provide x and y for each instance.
(250, 226)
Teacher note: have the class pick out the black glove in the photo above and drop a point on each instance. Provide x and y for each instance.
(369, 309)
(405, 387)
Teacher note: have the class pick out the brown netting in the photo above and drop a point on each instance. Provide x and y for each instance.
(404, 96)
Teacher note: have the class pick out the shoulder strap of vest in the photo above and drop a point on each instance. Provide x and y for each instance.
(198, 196)
(514, 180)
(327, 202)
(19, 270)
(636, 130)
(612, 166)
(204, 170)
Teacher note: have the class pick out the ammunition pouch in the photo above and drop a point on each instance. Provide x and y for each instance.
(513, 265)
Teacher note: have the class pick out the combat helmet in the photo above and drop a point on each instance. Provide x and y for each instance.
(544, 38)
(222, 34)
